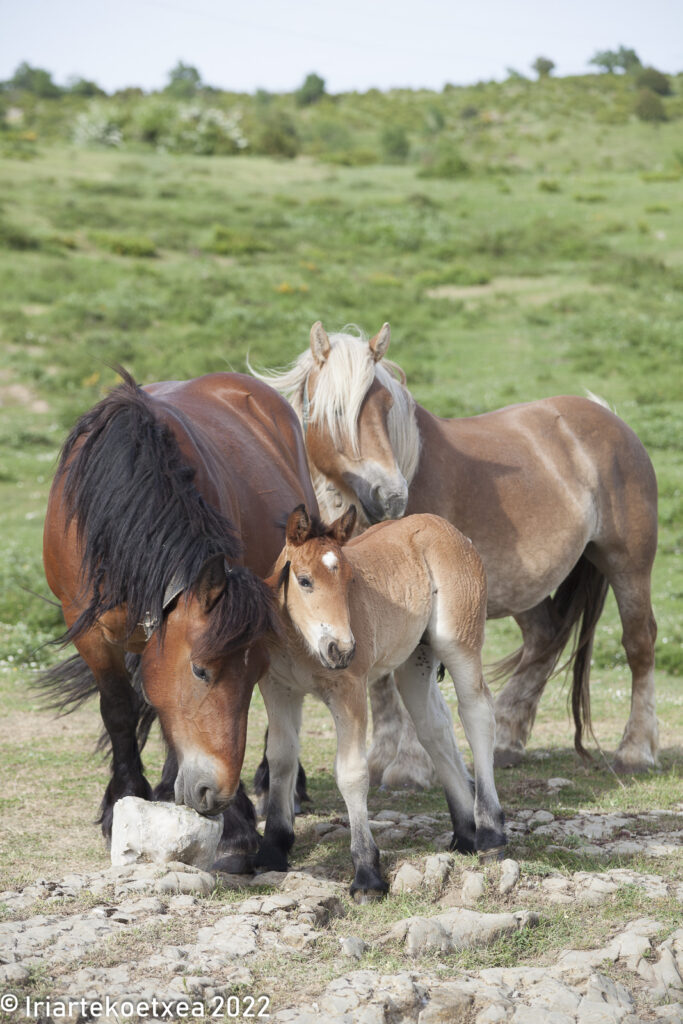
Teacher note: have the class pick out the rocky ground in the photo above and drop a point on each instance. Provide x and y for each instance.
(229, 946)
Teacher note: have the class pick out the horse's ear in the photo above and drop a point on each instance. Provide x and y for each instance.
(320, 343)
(342, 528)
(211, 582)
(380, 343)
(298, 526)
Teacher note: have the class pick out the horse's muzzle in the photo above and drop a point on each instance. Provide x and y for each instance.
(198, 790)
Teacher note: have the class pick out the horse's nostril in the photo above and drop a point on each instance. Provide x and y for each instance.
(205, 799)
(333, 653)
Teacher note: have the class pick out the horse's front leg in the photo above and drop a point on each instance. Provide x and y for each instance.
(282, 749)
(348, 704)
(120, 708)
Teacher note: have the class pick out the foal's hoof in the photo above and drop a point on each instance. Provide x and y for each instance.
(235, 864)
(489, 856)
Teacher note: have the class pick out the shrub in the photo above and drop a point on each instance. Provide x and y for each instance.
(549, 185)
(395, 144)
(649, 106)
(235, 242)
(655, 81)
(126, 245)
(184, 81)
(311, 91)
(445, 162)
(206, 131)
(14, 237)
(97, 127)
(276, 135)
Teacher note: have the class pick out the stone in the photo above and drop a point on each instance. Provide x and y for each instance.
(541, 818)
(438, 867)
(509, 876)
(200, 883)
(473, 886)
(407, 879)
(161, 832)
(447, 1004)
(600, 988)
(558, 783)
(352, 947)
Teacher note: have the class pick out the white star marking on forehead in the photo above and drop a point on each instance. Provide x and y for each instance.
(330, 560)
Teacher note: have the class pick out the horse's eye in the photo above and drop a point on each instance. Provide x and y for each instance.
(306, 582)
(200, 673)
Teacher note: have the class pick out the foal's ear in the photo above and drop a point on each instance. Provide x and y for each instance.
(342, 528)
(298, 526)
(320, 343)
(380, 343)
(211, 582)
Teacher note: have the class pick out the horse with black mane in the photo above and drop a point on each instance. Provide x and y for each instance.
(164, 513)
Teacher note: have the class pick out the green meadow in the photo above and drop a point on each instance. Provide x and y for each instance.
(530, 243)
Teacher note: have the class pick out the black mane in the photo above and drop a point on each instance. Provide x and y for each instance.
(141, 521)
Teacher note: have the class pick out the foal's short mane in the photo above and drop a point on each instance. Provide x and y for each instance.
(142, 522)
(344, 380)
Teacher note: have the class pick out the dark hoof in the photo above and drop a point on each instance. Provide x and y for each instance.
(271, 857)
(235, 864)
(493, 854)
(361, 896)
(462, 844)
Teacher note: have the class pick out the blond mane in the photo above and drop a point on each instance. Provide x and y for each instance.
(343, 382)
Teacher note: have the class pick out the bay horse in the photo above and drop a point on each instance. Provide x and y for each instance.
(161, 521)
(559, 496)
(404, 596)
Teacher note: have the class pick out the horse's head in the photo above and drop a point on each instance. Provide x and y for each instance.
(359, 423)
(198, 672)
(313, 585)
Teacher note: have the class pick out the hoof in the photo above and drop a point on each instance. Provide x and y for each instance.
(633, 767)
(507, 757)
(462, 844)
(361, 896)
(489, 856)
(234, 864)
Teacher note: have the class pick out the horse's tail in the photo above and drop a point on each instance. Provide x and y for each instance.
(576, 607)
(69, 684)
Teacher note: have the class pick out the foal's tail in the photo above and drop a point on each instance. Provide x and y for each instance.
(576, 608)
(68, 685)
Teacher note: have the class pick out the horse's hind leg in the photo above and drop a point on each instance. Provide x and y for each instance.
(637, 750)
(416, 681)
(396, 758)
(517, 702)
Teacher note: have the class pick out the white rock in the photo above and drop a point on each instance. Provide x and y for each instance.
(162, 832)
(352, 947)
(406, 879)
(438, 867)
(558, 783)
(473, 886)
(541, 818)
(509, 876)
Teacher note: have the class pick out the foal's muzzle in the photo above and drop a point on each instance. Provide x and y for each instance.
(335, 654)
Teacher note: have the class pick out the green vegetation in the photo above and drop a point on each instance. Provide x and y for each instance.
(546, 257)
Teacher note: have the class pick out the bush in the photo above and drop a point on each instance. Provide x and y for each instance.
(236, 242)
(97, 127)
(649, 106)
(184, 81)
(206, 131)
(395, 144)
(311, 91)
(445, 162)
(276, 135)
(126, 245)
(655, 81)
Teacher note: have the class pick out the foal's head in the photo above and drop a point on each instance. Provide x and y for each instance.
(313, 585)
(198, 672)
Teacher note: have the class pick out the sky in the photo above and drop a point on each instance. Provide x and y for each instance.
(352, 44)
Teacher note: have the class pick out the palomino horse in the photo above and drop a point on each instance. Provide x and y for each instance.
(158, 493)
(557, 495)
(403, 597)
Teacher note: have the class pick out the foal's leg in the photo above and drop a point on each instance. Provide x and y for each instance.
(416, 681)
(262, 784)
(348, 703)
(637, 750)
(284, 720)
(120, 709)
(517, 702)
(396, 759)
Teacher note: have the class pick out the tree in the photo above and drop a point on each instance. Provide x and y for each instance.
(184, 81)
(35, 80)
(84, 87)
(606, 60)
(628, 59)
(543, 66)
(311, 91)
(649, 106)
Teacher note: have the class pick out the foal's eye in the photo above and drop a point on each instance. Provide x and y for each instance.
(200, 673)
(306, 582)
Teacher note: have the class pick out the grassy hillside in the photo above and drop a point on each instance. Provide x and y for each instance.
(552, 261)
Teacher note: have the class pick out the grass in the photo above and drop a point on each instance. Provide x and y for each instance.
(500, 287)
